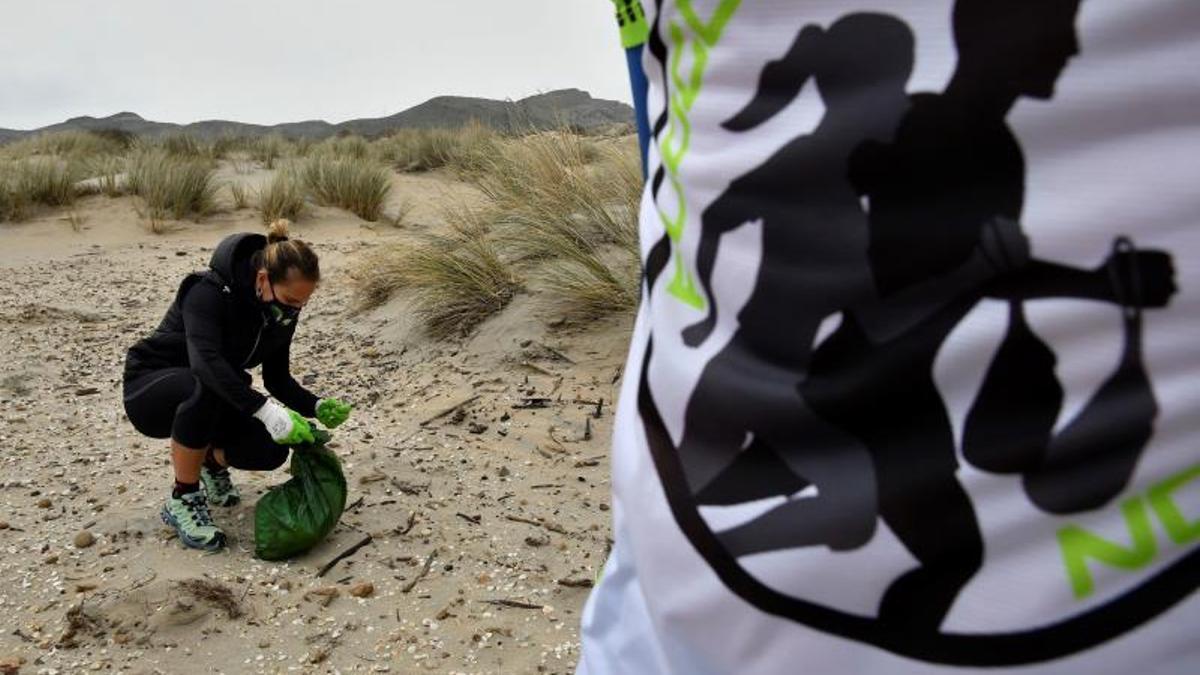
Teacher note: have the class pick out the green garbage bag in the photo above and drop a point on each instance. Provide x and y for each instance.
(295, 516)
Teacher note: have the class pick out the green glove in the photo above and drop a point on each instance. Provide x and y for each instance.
(332, 412)
(286, 427)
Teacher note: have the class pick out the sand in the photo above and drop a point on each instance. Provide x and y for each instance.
(488, 523)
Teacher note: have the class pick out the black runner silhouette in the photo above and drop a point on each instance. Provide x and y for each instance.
(945, 193)
(955, 171)
(813, 263)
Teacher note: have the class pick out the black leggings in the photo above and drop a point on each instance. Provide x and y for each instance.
(172, 403)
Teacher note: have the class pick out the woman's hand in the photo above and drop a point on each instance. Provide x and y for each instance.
(286, 427)
(332, 412)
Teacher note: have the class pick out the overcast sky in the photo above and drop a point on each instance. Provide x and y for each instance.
(270, 61)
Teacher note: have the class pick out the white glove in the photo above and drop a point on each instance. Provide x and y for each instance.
(286, 427)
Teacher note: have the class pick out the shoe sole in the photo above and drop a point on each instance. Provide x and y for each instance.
(216, 544)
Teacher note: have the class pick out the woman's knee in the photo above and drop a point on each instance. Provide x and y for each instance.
(196, 417)
(151, 400)
(262, 457)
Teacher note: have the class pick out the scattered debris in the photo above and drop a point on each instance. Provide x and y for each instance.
(213, 593)
(326, 595)
(424, 571)
(503, 602)
(549, 526)
(533, 403)
(343, 555)
(450, 410)
(407, 488)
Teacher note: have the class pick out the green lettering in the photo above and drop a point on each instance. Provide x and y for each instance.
(1174, 522)
(1078, 545)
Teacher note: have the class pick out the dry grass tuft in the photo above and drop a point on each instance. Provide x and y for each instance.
(456, 281)
(267, 150)
(458, 284)
(341, 147)
(183, 145)
(44, 180)
(75, 145)
(109, 174)
(240, 195)
(357, 186)
(570, 213)
(416, 150)
(10, 208)
(282, 197)
(562, 213)
(173, 186)
(404, 209)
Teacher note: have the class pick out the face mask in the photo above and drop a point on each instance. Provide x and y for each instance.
(279, 313)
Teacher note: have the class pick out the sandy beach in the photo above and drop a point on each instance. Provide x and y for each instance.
(478, 468)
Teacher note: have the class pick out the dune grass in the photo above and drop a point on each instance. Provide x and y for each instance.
(73, 145)
(459, 283)
(267, 150)
(240, 195)
(173, 186)
(109, 174)
(341, 147)
(183, 145)
(282, 197)
(46, 181)
(456, 280)
(419, 150)
(360, 187)
(571, 219)
(12, 203)
(560, 219)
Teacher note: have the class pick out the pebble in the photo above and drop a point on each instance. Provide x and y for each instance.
(84, 539)
(10, 665)
(364, 590)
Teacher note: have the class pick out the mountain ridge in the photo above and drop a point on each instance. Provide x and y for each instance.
(571, 107)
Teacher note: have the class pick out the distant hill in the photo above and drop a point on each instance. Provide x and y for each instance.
(571, 107)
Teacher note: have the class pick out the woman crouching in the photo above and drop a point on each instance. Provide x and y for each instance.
(188, 381)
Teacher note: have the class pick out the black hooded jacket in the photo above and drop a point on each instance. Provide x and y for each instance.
(217, 327)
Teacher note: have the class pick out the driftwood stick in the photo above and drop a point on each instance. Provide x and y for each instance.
(553, 527)
(504, 602)
(450, 410)
(424, 570)
(343, 555)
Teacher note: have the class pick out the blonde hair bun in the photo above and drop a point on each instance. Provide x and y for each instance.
(278, 230)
